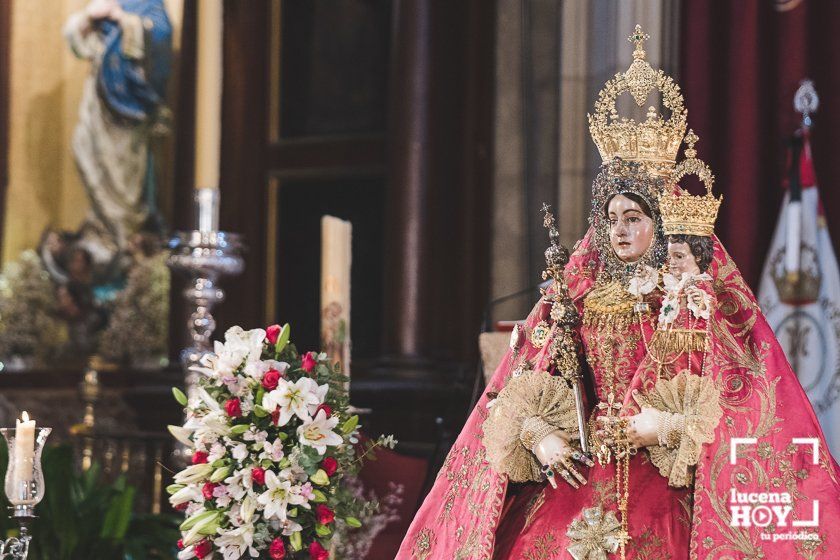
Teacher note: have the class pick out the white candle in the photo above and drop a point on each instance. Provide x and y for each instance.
(24, 449)
(207, 203)
(336, 261)
(208, 98)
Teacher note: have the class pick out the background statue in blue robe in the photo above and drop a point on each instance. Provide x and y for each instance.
(129, 45)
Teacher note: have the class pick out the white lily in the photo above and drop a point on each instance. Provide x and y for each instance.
(247, 509)
(279, 495)
(182, 434)
(186, 494)
(240, 483)
(193, 473)
(257, 369)
(288, 527)
(272, 451)
(239, 347)
(318, 432)
(187, 553)
(234, 543)
(208, 428)
(294, 399)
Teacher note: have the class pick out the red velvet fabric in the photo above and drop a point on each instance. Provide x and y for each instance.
(741, 63)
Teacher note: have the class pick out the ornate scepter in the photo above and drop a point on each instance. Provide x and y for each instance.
(563, 352)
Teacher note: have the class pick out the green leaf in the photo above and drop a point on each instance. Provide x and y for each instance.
(283, 339)
(239, 429)
(259, 411)
(179, 396)
(350, 424)
(353, 522)
(296, 541)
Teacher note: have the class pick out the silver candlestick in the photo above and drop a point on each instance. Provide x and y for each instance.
(24, 487)
(205, 256)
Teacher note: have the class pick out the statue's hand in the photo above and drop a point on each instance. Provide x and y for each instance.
(556, 455)
(696, 296)
(642, 428)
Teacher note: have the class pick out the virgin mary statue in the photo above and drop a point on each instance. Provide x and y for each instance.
(128, 43)
(694, 437)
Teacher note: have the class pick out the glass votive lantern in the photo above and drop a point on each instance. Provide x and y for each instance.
(24, 476)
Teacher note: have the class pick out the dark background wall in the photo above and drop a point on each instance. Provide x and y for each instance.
(379, 112)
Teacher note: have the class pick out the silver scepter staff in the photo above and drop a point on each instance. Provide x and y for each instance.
(564, 353)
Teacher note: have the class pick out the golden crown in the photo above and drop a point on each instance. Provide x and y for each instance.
(656, 141)
(682, 212)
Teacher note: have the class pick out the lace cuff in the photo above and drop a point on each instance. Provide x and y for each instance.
(529, 408)
(694, 411)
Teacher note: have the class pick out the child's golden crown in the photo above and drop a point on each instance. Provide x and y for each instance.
(682, 212)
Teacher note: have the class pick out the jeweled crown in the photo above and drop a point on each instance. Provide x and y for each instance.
(683, 212)
(655, 141)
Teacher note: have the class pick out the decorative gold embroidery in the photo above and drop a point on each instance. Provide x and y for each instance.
(811, 548)
(469, 548)
(423, 544)
(685, 515)
(543, 548)
(535, 505)
(649, 546)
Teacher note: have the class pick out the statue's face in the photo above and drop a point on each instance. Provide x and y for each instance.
(631, 230)
(681, 259)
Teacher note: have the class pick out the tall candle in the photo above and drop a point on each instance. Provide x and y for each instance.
(24, 449)
(336, 259)
(208, 98)
(207, 204)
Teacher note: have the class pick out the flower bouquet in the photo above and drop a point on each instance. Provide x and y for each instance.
(272, 446)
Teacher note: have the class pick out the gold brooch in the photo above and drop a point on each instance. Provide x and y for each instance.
(539, 336)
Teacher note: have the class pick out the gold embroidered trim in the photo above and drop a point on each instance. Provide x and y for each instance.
(425, 540)
(698, 399)
(536, 394)
(676, 341)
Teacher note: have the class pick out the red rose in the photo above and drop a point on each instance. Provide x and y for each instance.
(207, 490)
(308, 363)
(258, 475)
(199, 457)
(318, 552)
(330, 465)
(325, 515)
(180, 544)
(272, 333)
(326, 408)
(203, 548)
(233, 408)
(275, 415)
(270, 379)
(277, 551)
(182, 506)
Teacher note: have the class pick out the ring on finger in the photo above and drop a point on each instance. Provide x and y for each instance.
(568, 478)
